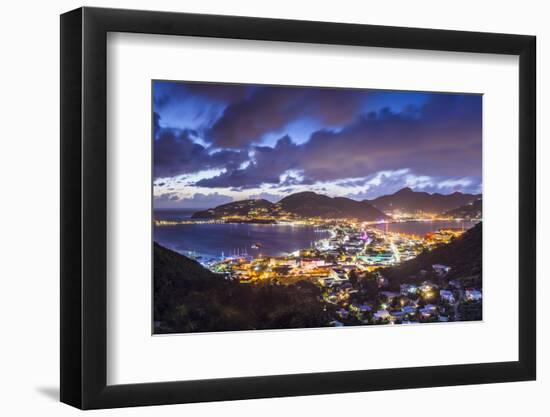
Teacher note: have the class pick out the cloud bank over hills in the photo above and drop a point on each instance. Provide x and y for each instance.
(235, 141)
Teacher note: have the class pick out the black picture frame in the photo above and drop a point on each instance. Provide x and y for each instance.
(84, 207)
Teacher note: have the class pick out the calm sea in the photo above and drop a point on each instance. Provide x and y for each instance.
(213, 240)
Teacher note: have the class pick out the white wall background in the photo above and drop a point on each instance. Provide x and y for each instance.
(29, 232)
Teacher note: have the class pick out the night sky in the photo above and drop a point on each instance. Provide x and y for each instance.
(217, 143)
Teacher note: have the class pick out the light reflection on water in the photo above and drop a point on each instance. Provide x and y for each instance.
(420, 228)
(210, 240)
(213, 240)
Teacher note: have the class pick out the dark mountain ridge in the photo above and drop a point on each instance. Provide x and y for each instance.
(310, 204)
(236, 208)
(305, 204)
(408, 201)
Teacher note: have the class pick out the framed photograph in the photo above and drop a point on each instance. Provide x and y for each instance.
(257, 208)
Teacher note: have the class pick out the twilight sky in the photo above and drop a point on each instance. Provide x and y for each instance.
(217, 143)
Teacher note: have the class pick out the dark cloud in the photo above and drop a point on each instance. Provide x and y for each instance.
(266, 167)
(223, 92)
(434, 138)
(269, 109)
(442, 138)
(176, 154)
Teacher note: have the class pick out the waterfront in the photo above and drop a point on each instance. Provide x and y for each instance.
(349, 263)
(420, 228)
(229, 239)
(211, 240)
(216, 240)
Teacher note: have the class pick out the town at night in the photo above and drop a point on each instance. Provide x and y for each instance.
(334, 208)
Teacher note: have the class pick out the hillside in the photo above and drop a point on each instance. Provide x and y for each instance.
(190, 298)
(237, 208)
(409, 201)
(305, 204)
(463, 255)
(175, 276)
(468, 211)
(310, 204)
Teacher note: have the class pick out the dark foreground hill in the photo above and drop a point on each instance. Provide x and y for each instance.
(409, 201)
(463, 255)
(469, 211)
(304, 204)
(190, 298)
